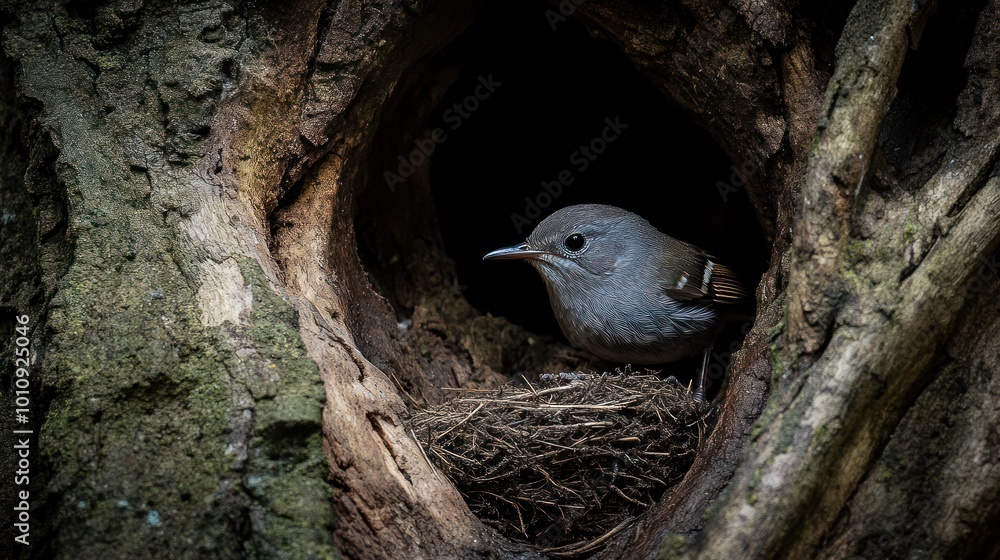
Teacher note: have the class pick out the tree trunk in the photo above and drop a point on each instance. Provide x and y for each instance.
(232, 312)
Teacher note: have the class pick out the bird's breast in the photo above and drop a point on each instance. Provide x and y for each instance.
(623, 323)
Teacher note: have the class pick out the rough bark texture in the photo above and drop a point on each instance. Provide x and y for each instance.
(232, 313)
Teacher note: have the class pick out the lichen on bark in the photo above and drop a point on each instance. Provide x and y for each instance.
(164, 436)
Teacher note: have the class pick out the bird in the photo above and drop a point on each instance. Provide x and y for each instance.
(626, 292)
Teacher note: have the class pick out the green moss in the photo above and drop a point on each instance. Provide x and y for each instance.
(787, 425)
(150, 390)
(674, 546)
(884, 474)
(824, 434)
(786, 434)
(752, 485)
(287, 471)
(712, 509)
(911, 228)
(777, 358)
(296, 517)
(774, 332)
(141, 414)
(139, 436)
(777, 361)
(859, 251)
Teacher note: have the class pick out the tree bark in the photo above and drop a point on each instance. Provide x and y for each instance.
(232, 315)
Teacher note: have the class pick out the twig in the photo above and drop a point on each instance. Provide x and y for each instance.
(463, 421)
(424, 453)
(569, 551)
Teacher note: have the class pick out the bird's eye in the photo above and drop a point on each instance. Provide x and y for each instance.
(575, 242)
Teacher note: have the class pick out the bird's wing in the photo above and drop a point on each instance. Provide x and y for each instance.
(725, 287)
(697, 277)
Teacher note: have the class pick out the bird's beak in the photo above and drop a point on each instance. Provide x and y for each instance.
(521, 251)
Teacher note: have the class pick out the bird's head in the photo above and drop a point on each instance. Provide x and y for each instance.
(581, 243)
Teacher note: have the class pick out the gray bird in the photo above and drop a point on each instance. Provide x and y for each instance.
(626, 292)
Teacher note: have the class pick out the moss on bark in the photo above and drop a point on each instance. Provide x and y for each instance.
(164, 437)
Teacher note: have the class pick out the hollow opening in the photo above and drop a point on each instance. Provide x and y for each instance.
(521, 116)
(512, 121)
(557, 97)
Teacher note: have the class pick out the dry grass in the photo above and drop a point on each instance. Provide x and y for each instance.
(566, 463)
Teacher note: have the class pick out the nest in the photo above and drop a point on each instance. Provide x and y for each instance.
(566, 463)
